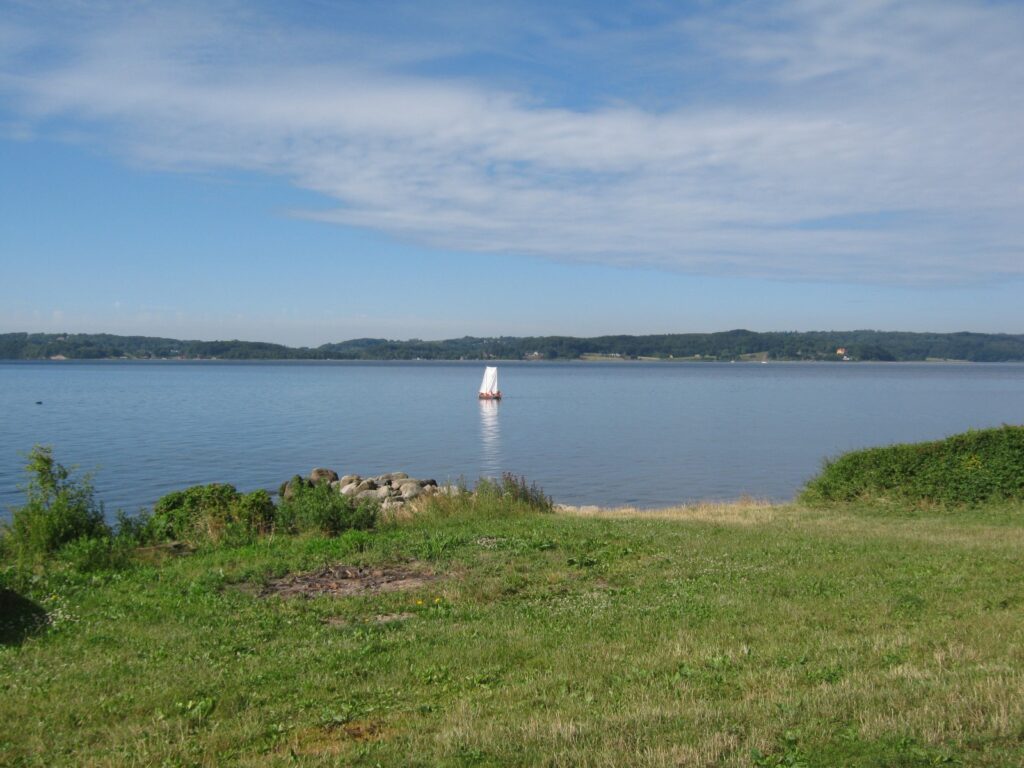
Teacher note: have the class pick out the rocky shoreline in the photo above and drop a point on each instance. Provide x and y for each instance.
(391, 489)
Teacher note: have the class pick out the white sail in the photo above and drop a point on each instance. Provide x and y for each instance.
(489, 386)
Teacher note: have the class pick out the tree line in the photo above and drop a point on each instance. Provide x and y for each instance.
(725, 345)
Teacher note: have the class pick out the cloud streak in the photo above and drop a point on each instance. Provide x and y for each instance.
(788, 163)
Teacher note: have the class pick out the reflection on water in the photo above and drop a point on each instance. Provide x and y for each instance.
(490, 438)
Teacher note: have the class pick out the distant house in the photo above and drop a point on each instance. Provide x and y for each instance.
(841, 352)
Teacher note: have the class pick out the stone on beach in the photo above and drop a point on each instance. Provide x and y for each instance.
(392, 489)
(321, 474)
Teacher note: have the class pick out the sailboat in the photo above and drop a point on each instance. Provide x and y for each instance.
(489, 386)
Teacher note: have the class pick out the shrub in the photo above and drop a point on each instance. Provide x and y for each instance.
(321, 509)
(514, 488)
(966, 469)
(134, 529)
(59, 509)
(87, 555)
(211, 513)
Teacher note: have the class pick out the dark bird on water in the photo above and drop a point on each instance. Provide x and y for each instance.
(39, 402)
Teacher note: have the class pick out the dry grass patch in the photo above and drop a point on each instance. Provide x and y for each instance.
(745, 511)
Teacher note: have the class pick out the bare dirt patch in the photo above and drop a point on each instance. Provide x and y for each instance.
(332, 741)
(349, 580)
(361, 731)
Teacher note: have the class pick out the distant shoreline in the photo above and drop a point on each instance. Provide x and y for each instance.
(502, 361)
(726, 346)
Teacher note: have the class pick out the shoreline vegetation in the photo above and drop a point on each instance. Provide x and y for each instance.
(729, 346)
(874, 620)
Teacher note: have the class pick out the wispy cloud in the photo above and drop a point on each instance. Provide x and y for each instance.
(873, 141)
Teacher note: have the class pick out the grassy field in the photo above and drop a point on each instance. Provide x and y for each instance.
(737, 635)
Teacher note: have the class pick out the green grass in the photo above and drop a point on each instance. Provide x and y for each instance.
(739, 635)
(976, 467)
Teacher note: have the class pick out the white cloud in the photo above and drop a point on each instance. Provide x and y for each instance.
(836, 115)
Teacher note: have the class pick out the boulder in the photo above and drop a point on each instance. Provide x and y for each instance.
(367, 485)
(287, 489)
(410, 490)
(384, 492)
(367, 495)
(320, 474)
(349, 490)
(351, 479)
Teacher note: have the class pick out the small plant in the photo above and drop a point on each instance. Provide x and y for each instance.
(321, 509)
(59, 509)
(787, 755)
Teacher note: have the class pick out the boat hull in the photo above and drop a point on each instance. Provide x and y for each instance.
(490, 395)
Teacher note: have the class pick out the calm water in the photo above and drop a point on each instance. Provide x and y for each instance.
(642, 434)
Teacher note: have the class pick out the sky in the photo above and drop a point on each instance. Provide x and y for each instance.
(307, 171)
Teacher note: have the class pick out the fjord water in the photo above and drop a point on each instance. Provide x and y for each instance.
(644, 434)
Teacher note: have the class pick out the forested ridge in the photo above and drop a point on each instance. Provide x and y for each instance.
(726, 345)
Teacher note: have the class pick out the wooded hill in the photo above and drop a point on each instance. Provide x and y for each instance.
(726, 345)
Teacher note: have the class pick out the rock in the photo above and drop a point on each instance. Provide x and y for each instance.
(432, 483)
(367, 485)
(350, 489)
(356, 479)
(367, 495)
(287, 489)
(450, 490)
(384, 492)
(320, 475)
(410, 490)
(398, 476)
(394, 503)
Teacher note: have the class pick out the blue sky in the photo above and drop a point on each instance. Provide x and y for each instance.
(306, 172)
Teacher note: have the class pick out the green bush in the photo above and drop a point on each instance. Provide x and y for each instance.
(86, 555)
(59, 509)
(211, 513)
(321, 509)
(972, 468)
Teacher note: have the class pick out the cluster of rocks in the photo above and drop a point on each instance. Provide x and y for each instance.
(392, 489)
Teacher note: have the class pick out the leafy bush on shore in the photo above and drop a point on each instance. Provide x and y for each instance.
(319, 508)
(59, 509)
(211, 513)
(971, 468)
(219, 513)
